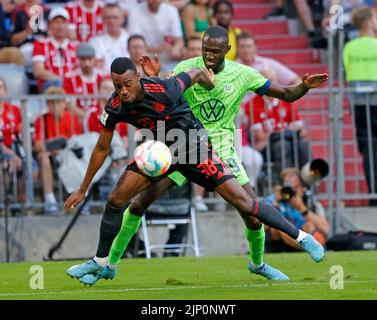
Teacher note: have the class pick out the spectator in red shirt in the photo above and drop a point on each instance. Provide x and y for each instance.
(10, 132)
(85, 19)
(84, 81)
(56, 123)
(54, 56)
(23, 35)
(279, 124)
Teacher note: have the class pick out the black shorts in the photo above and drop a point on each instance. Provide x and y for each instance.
(208, 173)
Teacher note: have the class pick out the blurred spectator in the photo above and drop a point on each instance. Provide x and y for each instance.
(23, 35)
(194, 47)
(247, 54)
(196, 17)
(347, 7)
(10, 139)
(85, 19)
(54, 56)
(3, 31)
(277, 13)
(179, 4)
(299, 207)
(223, 15)
(113, 42)
(137, 47)
(252, 159)
(360, 57)
(159, 24)
(314, 32)
(84, 81)
(49, 127)
(8, 7)
(279, 124)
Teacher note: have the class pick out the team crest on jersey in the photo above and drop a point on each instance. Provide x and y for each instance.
(158, 106)
(212, 110)
(228, 88)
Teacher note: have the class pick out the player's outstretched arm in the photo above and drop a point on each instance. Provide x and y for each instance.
(205, 77)
(99, 154)
(295, 92)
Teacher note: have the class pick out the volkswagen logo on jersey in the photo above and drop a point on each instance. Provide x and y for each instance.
(212, 110)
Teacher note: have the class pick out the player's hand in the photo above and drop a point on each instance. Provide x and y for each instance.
(74, 199)
(208, 78)
(314, 80)
(298, 203)
(151, 67)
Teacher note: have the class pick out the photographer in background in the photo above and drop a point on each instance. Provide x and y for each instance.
(298, 206)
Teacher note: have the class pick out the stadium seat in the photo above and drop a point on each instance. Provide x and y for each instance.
(15, 78)
(164, 212)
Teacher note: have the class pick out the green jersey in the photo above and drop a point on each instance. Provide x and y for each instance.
(217, 109)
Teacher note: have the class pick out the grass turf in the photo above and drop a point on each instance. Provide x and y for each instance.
(202, 278)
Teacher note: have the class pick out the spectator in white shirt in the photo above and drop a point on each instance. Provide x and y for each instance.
(247, 54)
(113, 42)
(160, 25)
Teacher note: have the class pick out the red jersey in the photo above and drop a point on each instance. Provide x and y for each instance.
(10, 123)
(278, 115)
(49, 127)
(58, 58)
(77, 83)
(86, 22)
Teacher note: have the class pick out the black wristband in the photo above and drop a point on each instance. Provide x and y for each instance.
(305, 212)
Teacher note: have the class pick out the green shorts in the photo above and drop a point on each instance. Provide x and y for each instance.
(233, 162)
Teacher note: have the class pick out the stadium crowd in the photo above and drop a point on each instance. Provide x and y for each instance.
(69, 48)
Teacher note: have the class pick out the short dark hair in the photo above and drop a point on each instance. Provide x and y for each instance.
(217, 32)
(218, 3)
(122, 64)
(245, 35)
(194, 38)
(134, 37)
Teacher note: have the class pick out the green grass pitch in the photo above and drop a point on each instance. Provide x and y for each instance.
(202, 278)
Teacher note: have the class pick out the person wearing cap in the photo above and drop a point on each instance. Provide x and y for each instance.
(55, 56)
(49, 128)
(84, 81)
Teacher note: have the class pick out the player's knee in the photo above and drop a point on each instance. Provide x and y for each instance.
(252, 223)
(244, 205)
(137, 206)
(116, 201)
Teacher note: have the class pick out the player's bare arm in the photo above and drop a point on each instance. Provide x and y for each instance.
(295, 92)
(99, 154)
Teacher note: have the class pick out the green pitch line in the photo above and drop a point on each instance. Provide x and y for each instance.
(204, 278)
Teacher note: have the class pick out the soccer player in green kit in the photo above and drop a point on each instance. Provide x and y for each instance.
(217, 110)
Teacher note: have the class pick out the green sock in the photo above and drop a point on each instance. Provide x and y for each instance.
(255, 239)
(130, 225)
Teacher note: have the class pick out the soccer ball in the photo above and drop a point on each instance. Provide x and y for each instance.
(153, 158)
